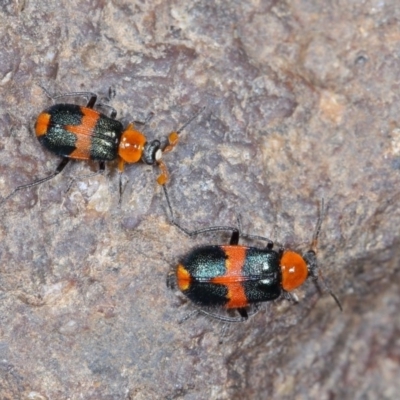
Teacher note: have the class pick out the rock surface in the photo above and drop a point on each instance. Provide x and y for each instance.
(302, 103)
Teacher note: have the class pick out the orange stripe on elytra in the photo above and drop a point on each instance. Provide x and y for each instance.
(235, 260)
(84, 132)
(42, 124)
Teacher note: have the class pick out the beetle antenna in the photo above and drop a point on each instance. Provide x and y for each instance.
(168, 204)
(315, 272)
(314, 242)
(190, 120)
(328, 289)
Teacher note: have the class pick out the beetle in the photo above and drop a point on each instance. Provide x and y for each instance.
(79, 132)
(236, 277)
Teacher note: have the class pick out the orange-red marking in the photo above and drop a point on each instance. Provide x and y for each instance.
(236, 257)
(164, 176)
(131, 146)
(84, 132)
(183, 278)
(42, 124)
(173, 140)
(294, 270)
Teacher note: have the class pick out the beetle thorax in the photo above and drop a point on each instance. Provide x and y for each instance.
(294, 270)
(131, 145)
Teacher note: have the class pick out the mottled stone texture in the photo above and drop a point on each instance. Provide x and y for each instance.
(302, 103)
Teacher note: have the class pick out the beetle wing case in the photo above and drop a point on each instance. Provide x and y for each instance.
(78, 132)
(229, 276)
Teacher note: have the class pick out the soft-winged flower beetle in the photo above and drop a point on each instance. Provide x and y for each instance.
(236, 277)
(76, 132)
